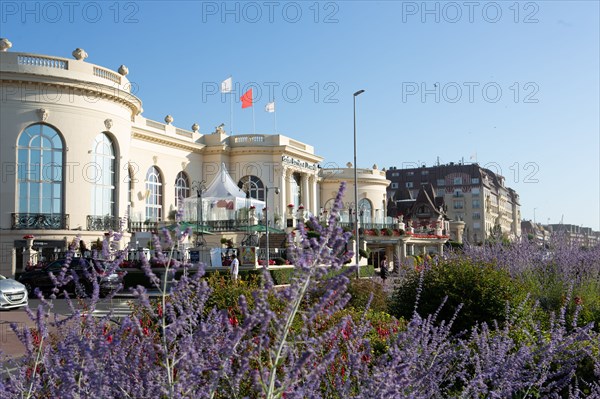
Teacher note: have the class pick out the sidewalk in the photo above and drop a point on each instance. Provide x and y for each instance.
(10, 345)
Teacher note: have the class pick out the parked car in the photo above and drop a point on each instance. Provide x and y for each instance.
(12, 293)
(84, 269)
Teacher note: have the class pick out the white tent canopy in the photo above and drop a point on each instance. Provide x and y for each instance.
(222, 200)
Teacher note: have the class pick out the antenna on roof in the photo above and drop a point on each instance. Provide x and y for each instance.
(438, 160)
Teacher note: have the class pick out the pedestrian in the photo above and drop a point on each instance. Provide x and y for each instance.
(383, 269)
(234, 268)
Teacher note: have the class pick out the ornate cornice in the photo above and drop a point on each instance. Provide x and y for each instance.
(124, 98)
(167, 141)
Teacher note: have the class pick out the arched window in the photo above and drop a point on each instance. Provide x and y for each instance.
(40, 157)
(182, 187)
(365, 209)
(103, 193)
(254, 186)
(154, 197)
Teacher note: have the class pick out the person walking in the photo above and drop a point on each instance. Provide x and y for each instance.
(234, 268)
(383, 269)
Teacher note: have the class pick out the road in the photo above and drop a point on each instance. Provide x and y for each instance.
(12, 347)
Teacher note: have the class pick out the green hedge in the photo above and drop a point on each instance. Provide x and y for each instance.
(482, 289)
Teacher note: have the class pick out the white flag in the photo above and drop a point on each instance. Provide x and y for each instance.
(226, 85)
(270, 107)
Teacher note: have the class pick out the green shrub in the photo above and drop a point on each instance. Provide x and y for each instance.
(367, 271)
(550, 290)
(282, 276)
(364, 254)
(313, 234)
(361, 290)
(482, 289)
(225, 294)
(279, 261)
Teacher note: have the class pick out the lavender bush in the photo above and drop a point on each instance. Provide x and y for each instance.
(299, 341)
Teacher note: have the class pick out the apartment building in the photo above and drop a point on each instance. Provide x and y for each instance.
(472, 194)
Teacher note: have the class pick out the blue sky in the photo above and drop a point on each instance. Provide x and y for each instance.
(515, 84)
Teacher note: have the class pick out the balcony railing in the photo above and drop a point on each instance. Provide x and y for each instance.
(40, 221)
(143, 226)
(103, 223)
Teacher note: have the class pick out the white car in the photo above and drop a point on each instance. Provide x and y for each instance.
(12, 293)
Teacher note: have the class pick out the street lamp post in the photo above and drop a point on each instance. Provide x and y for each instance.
(356, 236)
(267, 217)
(199, 187)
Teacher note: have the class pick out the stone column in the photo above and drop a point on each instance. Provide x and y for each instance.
(283, 187)
(440, 249)
(305, 194)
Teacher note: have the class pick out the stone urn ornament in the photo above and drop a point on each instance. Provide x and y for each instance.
(123, 70)
(5, 44)
(80, 54)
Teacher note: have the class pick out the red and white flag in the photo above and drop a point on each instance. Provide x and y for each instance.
(246, 99)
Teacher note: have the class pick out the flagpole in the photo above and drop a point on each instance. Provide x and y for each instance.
(253, 120)
(275, 121)
(231, 108)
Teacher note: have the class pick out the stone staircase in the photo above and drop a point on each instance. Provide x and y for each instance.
(276, 240)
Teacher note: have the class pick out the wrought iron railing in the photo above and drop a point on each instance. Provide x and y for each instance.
(40, 221)
(103, 223)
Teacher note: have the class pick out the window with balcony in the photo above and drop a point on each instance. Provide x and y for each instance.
(40, 156)
(154, 196)
(409, 184)
(394, 185)
(365, 209)
(458, 205)
(182, 187)
(476, 216)
(458, 193)
(103, 192)
(476, 204)
(457, 180)
(475, 192)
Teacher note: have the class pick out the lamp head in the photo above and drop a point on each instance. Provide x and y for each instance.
(359, 93)
(276, 190)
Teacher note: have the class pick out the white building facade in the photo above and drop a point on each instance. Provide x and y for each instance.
(79, 158)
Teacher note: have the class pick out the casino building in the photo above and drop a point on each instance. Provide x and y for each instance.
(79, 159)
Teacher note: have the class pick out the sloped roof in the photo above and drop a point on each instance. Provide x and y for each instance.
(223, 186)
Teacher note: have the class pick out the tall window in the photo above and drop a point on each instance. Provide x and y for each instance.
(254, 186)
(103, 193)
(154, 197)
(365, 210)
(182, 187)
(40, 170)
